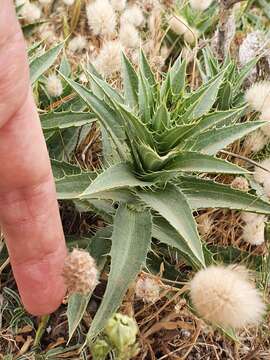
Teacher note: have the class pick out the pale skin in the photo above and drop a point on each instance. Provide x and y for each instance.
(29, 214)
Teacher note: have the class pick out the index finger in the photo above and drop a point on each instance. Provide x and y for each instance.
(29, 214)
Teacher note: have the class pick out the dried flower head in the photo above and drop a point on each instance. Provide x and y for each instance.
(225, 297)
(101, 18)
(147, 289)
(258, 96)
(30, 12)
(47, 33)
(129, 36)
(45, 2)
(54, 86)
(253, 230)
(190, 36)
(205, 224)
(80, 272)
(178, 25)
(266, 186)
(119, 5)
(255, 44)
(261, 175)
(240, 183)
(255, 141)
(200, 5)
(133, 15)
(265, 116)
(78, 43)
(108, 60)
(68, 2)
(83, 78)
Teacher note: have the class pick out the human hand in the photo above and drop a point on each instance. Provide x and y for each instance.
(29, 214)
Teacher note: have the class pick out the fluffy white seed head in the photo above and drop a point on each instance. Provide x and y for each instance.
(255, 141)
(265, 116)
(225, 297)
(78, 43)
(54, 86)
(30, 12)
(147, 289)
(47, 33)
(254, 45)
(83, 78)
(178, 25)
(240, 183)
(205, 224)
(133, 15)
(119, 5)
(129, 36)
(68, 2)
(258, 96)
(253, 229)
(21, 2)
(190, 36)
(108, 60)
(45, 2)
(101, 18)
(266, 186)
(260, 175)
(80, 272)
(200, 5)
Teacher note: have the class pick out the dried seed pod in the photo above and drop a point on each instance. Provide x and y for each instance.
(80, 272)
(147, 289)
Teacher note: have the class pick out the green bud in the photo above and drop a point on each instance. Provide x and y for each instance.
(121, 331)
(100, 350)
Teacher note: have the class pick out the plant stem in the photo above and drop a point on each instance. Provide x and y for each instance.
(41, 329)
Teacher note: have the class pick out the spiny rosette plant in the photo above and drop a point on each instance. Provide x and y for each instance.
(158, 139)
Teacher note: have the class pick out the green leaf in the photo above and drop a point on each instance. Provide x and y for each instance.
(171, 203)
(130, 243)
(166, 234)
(196, 162)
(243, 74)
(206, 100)
(165, 88)
(203, 194)
(178, 77)
(130, 82)
(64, 120)
(71, 187)
(65, 67)
(42, 63)
(265, 7)
(61, 169)
(217, 119)
(77, 305)
(145, 99)
(146, 70)
(106, 115)
(134, 126)
(150, 159)
(103, 90)
(174, 136)
(226, 96)
(115, 177)
(211, 141)
(161, 118)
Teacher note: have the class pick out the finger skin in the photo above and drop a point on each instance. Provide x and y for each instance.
(29, 214)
